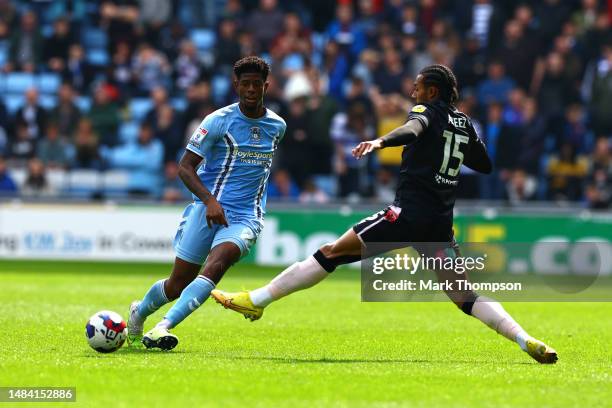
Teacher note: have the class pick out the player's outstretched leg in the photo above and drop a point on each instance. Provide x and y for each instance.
(300, 275)
(220, 258)
(162, 292)
(495, 316)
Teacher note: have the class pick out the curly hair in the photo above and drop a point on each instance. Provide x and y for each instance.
(444, 79)
(252, 65)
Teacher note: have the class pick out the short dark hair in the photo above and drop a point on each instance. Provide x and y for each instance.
(443, 78)
(252, 65)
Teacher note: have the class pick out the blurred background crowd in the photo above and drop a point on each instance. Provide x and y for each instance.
(99, 97)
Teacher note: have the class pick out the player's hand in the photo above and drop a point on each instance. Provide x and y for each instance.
(364, 148)
(214, 213)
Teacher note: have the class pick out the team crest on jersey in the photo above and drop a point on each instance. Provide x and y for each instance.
(419, 109)
(255, 138)
(198, 137)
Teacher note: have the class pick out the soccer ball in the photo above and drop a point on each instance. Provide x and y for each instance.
(106, 331)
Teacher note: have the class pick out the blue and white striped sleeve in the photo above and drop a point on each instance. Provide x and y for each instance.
(205, 136)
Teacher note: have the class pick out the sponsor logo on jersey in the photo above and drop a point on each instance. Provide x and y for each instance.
(419, 109)
(444, 180)
(255, 138)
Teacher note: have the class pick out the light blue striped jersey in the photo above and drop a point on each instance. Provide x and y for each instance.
(237, 153)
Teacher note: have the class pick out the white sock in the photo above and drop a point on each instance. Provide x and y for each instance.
(300, 275)
(493, 315)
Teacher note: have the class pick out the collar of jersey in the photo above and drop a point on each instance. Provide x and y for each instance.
(265, 115)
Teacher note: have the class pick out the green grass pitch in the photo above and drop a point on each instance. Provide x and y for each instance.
(320, 347)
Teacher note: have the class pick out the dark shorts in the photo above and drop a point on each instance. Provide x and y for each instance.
(389, 225)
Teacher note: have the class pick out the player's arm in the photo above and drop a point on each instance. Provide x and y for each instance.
(477, 157)
(188, 173)
(401, 136)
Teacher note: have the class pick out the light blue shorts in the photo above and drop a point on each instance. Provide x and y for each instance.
(194, 239)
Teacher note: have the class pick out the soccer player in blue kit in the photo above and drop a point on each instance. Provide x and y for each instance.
(236, 144)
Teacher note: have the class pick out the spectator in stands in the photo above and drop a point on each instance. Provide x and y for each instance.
(566, 172)
(168, 131)
(390, 72)
(36, 183)
(78, 72)
(297, 153)
(470, 64)
(143, 160)
(4, 128)
(321, 111)
(266, 22)
(154, 16)
(312, 194)
(492, 185)
(281, 187)
(54, 150)
(520, 187)
(187, 66)
(66, 114)
(294, 38)
(599, 189)
(21, 145)
(104, 116)
(227, 49)
(601, 94)
(517, 53)
(150, 68)
(8, 187)
(174, 190)
(554, 90)
(86, 153)
(119, 19)
(346, 32)
(575, 129)
(348, 130)
(8, 13)
(57, 46)
(497, 86)
(532, 138)
(26, 45)
(336, 67)
(159, 97)
(32, 114)
(121, 69)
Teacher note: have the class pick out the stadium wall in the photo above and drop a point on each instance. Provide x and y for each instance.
(145, 233)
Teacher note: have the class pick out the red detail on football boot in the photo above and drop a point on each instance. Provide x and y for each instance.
(391, 215)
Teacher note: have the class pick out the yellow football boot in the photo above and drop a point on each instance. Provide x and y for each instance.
(239, 302)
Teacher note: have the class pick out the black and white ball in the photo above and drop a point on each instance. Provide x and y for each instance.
(106, 331)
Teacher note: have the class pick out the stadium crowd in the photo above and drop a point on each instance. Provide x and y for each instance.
(99, 98)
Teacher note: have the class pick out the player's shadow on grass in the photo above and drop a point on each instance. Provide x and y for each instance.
(131, 350)
(324, 360)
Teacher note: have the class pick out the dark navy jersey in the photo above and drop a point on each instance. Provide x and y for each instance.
(429, 173)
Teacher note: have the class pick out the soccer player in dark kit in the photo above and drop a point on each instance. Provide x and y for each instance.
(438, 139)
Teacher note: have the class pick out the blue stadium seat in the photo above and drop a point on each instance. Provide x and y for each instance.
(97, 56)
(49, 83)
(83, 103)
(3, 53)
(84, 183)
(128, 132)
(179, 104)
(139, 108)
(47, 101)
(220, 85)
(115, 183)
(203, 39)
(94, 38)
(13, 102)
(19, 82)
(46, 30)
